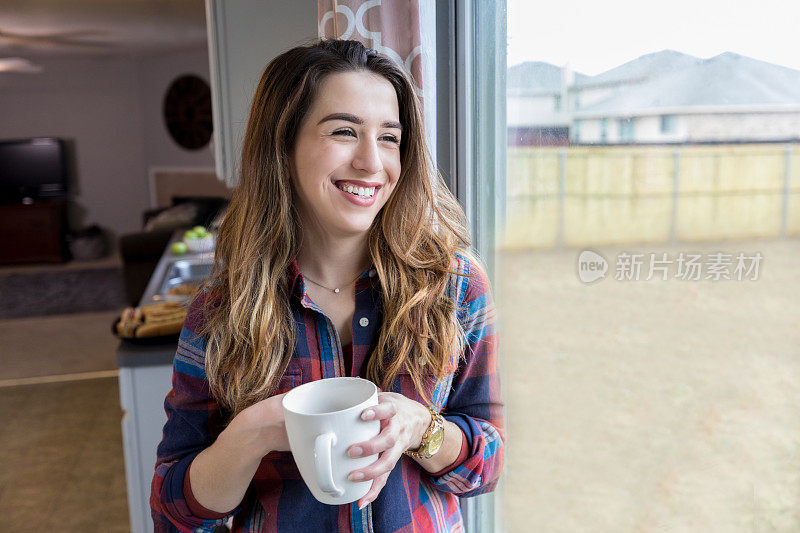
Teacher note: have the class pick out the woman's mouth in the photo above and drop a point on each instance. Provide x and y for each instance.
(361, 192)
(360, 196)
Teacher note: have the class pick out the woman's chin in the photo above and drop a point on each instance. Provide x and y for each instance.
(353, 227)
(361, 230)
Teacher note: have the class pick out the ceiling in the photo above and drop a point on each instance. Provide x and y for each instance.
(40, 28)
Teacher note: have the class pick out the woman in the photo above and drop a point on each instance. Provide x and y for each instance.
(342, 253)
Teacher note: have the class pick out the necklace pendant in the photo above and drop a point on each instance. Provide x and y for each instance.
(336, 290)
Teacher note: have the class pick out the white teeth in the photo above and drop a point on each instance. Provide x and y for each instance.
(363, 192)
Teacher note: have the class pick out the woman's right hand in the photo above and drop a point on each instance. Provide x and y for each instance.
(221, 473)
(261, 427)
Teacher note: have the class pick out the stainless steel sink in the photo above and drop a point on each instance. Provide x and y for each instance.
(173, 270)
(194, 270)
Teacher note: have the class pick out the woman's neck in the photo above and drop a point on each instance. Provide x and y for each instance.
(333, 262)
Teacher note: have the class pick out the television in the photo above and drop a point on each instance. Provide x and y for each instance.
(32, 168)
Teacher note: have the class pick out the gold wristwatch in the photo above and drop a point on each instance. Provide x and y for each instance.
(432, 439)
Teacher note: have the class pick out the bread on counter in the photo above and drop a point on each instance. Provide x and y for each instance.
(152, 320)
(170, 327)
(184, 289)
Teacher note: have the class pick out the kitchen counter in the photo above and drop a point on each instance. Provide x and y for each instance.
(131, 354)
(145, 379)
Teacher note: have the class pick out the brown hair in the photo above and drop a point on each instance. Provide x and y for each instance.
(412, 241)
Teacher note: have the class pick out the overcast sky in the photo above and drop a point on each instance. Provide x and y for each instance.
(596, 35)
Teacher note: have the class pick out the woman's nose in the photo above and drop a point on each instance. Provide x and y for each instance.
(367, 157)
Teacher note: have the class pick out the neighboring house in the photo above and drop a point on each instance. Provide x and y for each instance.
(538, 104)
(667, 97)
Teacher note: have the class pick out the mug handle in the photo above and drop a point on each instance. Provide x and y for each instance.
(323, 447)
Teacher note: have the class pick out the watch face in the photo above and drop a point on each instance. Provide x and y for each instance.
(436, 441)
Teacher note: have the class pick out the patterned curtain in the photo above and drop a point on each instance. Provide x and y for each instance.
(391, 27)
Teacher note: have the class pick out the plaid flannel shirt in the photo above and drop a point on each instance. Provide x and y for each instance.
(278, 499)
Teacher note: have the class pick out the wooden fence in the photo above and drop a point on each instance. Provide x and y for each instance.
(581, 196)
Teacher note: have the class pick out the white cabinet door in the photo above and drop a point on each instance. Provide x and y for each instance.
(142, 391)
(243, 36)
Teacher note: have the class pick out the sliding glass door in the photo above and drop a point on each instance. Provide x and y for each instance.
(632, 179)
(471, 37)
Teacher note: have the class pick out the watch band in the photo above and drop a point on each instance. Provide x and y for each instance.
(436, 425)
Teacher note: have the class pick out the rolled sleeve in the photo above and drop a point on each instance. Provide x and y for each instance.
(474, 403)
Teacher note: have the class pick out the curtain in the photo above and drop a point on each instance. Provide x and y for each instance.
(391, 28)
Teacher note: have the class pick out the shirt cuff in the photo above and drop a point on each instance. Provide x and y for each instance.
(194, 506)
(462, 456)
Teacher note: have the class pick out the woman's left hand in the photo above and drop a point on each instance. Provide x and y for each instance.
(403, 422)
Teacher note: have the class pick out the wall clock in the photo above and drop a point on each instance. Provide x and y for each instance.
(187, 112)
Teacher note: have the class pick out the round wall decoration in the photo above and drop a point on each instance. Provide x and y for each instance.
(187, 112)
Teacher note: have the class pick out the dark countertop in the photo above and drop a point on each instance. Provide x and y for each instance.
(130, 354)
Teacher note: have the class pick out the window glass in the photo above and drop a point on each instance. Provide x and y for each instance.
(668, 123)
(627, 132)
(646, 267)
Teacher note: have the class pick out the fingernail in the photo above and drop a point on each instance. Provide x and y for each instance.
(355, 452)
(356, 476)
(363, 505)
(368, 414)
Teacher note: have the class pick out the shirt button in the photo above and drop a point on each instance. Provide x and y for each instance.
(372, 273)
(364, 322)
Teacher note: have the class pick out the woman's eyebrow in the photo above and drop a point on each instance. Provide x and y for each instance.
(357, 120)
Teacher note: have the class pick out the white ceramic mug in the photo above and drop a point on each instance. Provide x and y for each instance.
(323, 419)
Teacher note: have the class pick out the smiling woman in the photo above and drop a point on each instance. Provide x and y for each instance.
(342, 253)
(347, 154)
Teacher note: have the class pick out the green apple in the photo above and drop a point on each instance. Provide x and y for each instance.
(191, 235)
(200, 230)
(179, 248)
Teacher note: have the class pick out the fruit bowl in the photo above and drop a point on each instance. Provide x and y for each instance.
(202, 244)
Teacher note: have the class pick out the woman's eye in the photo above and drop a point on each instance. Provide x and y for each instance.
(391, 139)
(344, 132)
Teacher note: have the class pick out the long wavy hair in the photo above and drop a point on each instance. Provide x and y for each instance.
(412, 241)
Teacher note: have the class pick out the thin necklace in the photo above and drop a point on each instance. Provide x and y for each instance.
(335, 290)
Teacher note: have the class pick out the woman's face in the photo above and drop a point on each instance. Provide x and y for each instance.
(351, 137)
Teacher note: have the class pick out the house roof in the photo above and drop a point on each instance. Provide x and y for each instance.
(537, 77)
(728, 82)
(543, 77)
(643, 67)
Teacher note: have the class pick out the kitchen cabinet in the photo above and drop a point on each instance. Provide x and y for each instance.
(145, 378)
(244, 36)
